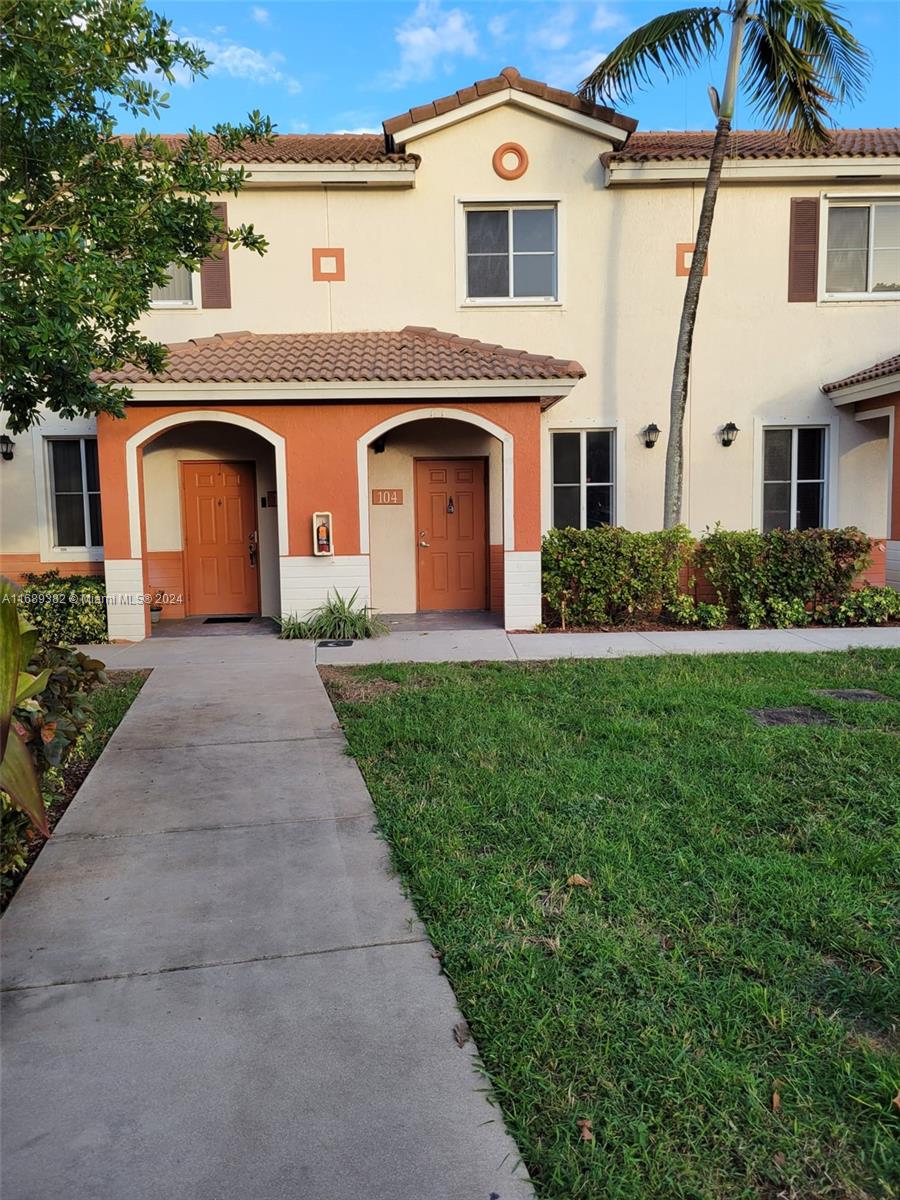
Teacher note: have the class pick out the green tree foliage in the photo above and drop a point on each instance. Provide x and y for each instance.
(90, 221)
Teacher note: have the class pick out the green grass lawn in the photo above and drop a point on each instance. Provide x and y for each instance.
(721, 1003)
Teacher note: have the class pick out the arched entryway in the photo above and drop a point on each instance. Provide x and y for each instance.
(435, 514)
(206, 495)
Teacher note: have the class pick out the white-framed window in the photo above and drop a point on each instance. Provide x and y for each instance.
(75, 492)
(795, 459)
(862, 249)
(511, 253)
(178, 293)
(584, 482)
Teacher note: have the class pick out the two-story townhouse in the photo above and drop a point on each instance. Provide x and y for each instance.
(324, 434)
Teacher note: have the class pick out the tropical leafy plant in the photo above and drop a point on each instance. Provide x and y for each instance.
(799, 58)
(18, 776)
(337, 618)
(91, 222)
(66, 609)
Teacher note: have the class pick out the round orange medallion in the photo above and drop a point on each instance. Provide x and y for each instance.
(507, 151)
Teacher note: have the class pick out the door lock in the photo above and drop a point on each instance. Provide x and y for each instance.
(423, 533)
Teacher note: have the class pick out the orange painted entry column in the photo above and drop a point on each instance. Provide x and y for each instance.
(451, 534)
(220, 538)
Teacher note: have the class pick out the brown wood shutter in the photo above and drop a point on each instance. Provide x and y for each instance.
(215, 277)
(803, 257)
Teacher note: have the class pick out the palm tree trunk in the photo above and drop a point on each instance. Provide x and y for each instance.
(681, 373)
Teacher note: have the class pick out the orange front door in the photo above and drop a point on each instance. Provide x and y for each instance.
(220, 549)
(451, 546)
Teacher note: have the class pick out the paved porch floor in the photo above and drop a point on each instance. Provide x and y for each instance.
(214, 988)
(425, 622)
(203, 627)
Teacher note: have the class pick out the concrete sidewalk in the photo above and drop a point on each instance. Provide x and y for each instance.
(214, 988)
(494, 645)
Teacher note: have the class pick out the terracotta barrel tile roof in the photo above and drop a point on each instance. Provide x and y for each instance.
(509, 77)
(413, 354)
(313, 148)
(756, 143)
(889, 366)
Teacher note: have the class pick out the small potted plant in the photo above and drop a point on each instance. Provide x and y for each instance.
(156, 608)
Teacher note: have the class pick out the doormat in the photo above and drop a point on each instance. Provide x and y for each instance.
(227, 620)
(853, 694)
(800, 715)
(330, 643)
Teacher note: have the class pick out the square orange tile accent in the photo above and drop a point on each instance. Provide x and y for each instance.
(683, 252)
(328, 264)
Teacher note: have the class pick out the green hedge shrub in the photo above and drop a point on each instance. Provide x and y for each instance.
(50, 724)
(610, 575)
(66, 610)
(868, 606)
(782, 578)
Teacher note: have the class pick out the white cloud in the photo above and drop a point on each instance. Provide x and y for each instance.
(362, 129)
(429, 38)
(557, 31)
(261, 16)
(568, 70)
(245, 62)
(498, 27)
(605, 17)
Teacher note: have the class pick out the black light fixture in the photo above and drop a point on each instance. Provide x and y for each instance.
(6, 448)
(729, 433)
(651, 435)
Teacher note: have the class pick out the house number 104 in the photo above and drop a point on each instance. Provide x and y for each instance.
(387, 495)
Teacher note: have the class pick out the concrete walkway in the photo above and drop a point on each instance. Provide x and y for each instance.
(494, 645)
(214, 988)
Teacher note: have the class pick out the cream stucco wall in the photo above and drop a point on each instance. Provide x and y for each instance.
(18, 498)
(392, 528)
(162, 491)
(757, 358)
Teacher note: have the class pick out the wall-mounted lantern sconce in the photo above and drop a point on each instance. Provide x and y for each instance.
(729, 433)
(651, 436)
(6, 448)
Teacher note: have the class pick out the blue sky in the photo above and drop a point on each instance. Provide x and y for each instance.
(328, 65)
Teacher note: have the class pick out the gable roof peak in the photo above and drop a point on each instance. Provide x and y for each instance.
(509, 80)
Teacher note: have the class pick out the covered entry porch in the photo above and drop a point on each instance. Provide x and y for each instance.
(872, 395)
(402, 467)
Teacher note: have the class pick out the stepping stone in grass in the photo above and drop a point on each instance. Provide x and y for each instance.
(852, 694)
(800, 714)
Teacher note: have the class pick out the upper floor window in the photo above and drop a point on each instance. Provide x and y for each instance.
(75, 489)
(511, 253)
(178, 293)
(583, 479)
(863, 248)
(794, 477)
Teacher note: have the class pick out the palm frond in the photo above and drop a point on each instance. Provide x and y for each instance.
(799, 59)
(673, 44)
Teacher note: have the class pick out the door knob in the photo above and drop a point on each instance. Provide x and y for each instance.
(425, 544)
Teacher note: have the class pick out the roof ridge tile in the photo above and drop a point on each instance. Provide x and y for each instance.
(411, 353)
